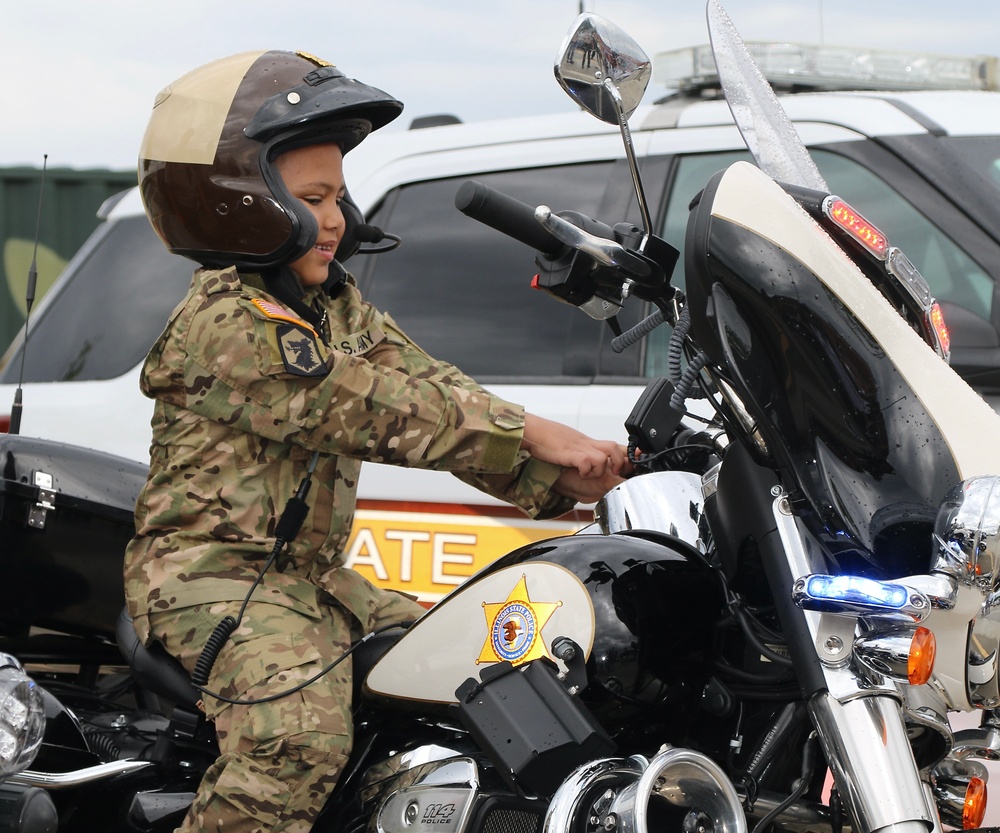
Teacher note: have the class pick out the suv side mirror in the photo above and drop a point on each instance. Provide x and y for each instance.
(602, 68)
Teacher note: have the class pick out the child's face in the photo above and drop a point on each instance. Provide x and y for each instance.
(315, 175)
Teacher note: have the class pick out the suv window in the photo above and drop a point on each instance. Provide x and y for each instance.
(461, 290)
(107, 312)
(955, 278)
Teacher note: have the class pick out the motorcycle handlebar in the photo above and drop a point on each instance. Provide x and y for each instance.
(507, 215)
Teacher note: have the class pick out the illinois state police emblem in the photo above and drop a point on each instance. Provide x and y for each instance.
(514, 627)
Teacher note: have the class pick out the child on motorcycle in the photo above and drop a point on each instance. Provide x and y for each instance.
(274, 378)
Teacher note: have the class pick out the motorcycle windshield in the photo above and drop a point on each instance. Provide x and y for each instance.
(867, 426)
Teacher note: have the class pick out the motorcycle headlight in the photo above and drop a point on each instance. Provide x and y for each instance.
(967, 547)
(22, 717)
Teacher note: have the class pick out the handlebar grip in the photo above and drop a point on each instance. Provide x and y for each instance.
(506, 214)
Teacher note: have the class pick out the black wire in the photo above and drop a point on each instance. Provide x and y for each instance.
(326, 670)
(800, 786)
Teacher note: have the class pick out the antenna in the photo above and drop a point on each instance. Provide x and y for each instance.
(29, 298)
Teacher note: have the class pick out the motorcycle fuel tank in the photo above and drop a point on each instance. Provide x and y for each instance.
(641, 611)
(864, 420)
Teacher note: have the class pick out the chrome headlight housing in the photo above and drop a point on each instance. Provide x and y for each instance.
(22, 717)
(967, 547)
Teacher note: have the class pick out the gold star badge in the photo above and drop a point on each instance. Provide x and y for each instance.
(514, 628)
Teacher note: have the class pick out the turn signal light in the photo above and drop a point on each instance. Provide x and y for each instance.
(920, 661)
(974, 809)
(940, 328)
(857, 226)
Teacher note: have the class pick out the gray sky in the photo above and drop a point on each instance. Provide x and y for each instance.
(77, 79)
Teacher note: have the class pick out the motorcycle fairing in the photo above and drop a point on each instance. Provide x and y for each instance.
(867, 423)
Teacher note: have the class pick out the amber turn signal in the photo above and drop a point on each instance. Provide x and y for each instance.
(920, 662)
(974, 809)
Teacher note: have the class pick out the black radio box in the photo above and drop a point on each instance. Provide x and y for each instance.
(533, 729)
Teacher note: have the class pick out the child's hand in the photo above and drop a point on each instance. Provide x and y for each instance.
(585, 490)
(553, 442)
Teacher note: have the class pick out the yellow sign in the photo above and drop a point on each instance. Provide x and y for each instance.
(428, 554)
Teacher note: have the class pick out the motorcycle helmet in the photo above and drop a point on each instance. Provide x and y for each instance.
(206, 165)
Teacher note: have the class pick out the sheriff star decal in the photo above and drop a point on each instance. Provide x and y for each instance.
(515, 628)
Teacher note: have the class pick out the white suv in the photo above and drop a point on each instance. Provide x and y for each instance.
(924, 165)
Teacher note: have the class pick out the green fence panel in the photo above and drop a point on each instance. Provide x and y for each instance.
(69, 203)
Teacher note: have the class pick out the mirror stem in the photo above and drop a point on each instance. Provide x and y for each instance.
(612, 90)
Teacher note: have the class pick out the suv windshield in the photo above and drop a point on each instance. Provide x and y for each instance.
(103, 317)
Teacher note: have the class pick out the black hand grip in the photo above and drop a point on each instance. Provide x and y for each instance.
(506, 214)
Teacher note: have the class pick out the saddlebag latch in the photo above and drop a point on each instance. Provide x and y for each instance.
(45, 499)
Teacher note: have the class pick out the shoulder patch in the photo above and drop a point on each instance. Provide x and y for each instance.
(300, 351)
(276, 312)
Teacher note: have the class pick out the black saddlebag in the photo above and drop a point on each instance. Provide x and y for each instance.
(66, 515)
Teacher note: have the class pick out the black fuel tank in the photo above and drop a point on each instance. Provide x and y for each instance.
(655, 605)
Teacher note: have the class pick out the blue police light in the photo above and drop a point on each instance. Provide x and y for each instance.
(856, 590)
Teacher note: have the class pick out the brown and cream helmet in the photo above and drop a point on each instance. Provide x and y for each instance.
(206, 171)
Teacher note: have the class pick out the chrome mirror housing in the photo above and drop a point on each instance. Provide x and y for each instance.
(606, 73)
(967, 533)
(602, 68)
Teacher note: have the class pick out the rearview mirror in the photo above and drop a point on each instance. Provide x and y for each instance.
(602, 68)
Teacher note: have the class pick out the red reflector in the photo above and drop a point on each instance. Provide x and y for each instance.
(4, 423)
(937, 322)
(534, 282)
(856, 225)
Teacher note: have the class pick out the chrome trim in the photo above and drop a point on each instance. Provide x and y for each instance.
(982, 743)
(417, 796)
(886, 651)
(967, 533)
(983, 662)
(669, 501)
(908, 276)
(869, 753)
(393, 770)
(76, 778)
(583, 787)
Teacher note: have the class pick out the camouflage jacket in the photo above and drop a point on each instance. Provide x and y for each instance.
(246, 392)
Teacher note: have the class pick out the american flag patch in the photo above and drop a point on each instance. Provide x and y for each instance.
(279, 313)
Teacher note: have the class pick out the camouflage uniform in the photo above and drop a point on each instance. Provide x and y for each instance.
(245, 393)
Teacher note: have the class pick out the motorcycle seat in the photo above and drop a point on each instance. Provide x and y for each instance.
(154, 669)
(159, 672)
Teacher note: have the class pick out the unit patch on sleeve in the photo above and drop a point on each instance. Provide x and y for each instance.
(300, 351)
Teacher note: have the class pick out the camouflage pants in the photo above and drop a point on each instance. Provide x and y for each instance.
(279, 760)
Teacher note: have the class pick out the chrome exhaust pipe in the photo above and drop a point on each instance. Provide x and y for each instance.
(618, 794)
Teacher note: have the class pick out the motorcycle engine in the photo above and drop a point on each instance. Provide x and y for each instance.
(437, 788)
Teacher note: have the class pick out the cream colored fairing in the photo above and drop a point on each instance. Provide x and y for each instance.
(513, 614)
(966, 422)
(188, 116)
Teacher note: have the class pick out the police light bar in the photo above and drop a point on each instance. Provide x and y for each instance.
(787, 65)
(859, 596)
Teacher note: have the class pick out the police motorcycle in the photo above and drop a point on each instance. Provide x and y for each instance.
(801, 584)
